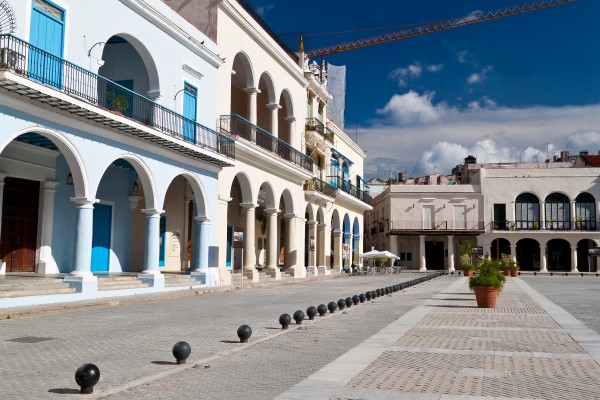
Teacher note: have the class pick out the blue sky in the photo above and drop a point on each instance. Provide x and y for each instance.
(514, 89)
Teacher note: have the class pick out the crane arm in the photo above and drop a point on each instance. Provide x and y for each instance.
(432, 27)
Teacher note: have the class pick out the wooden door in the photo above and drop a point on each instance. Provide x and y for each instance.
(19, 224)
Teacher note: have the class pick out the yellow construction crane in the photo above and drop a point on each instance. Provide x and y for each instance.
(432, 27)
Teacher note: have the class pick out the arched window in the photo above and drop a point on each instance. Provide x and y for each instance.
(585, 212)
(346, 177)
(558, 211)
(334, 172)
(527, 211)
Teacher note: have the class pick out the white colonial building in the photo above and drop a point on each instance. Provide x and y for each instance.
(545, 215)
(109, 153)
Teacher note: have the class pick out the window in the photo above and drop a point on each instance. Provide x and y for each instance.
(585, 212)
(460, 217)
(558, 211)
(527, 211)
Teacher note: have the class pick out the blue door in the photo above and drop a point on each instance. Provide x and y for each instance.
(229, 245)
(190, 106)
(47, 35)
(101, 237)
(162, 241)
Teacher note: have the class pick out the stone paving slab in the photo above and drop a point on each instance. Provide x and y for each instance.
(525, 348)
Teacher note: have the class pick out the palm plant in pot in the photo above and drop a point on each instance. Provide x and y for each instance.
(487, 282)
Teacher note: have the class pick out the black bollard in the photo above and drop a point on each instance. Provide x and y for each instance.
(86, 376)
(321, 309)
(332, 306)
(368, 295)
(355, 299)
(348, 302)
(341, 304)
(284, 320)
(181, 351)
(244, 332)
(311, 312)
(299, 317)
(362, 297)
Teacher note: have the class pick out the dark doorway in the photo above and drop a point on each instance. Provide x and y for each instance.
(528, 254)
(434, 255)
(19, 224)
(500, 216)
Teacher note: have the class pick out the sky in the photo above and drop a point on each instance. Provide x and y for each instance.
(520, 88)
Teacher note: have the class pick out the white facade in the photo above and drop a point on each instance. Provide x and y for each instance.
(92, 167)
(544, 215)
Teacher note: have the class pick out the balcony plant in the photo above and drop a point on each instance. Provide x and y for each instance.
(116, 102)
(487, 282)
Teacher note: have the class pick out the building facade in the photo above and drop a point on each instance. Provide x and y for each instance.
(544, 215)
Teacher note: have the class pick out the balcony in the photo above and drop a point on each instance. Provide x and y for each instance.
(128, 111)
(469, 227)
(317, 185)
(347, 187)
(236, 125)
(314, 125)
(550, 225)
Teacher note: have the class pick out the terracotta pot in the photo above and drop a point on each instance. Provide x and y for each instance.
(486, 296)
(514, 273)
(468, 272)
(506, 272)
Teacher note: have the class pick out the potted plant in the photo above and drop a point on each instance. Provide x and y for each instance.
(467, 269)
(508, 266)
(487, 282)
(116, 102)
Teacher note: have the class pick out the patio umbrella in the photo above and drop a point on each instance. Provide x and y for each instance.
(388, 254)
(372, 254)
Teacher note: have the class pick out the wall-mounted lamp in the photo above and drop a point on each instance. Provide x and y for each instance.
(70, 179)
(136, 189)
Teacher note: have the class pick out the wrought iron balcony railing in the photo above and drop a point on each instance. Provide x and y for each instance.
(55, 72)
(313, 124)
(446, 225)
(552, 225)
(344, 185)
(320, 186)
(237, 125)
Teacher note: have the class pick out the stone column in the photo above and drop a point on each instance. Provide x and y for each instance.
(542, 214)
(312, 254)
(274, 109)
(249, 262)
(423, 262)
(321, 263)
(200, 269)
(337, 251)
(47, 264)
(574, 259)
(272, 267)
(513, 252)
(81, 277)
(151, 273)
(451, 253)
(543, 264)
(291, 245)
(573, 214)
(292, 130)
(252, 92)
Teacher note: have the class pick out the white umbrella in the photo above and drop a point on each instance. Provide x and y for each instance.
(388, 254)
(372, 254)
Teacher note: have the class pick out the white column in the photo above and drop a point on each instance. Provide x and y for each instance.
(82, 252)
(543, 264)
(2, 176)
(291, 121)
(513, 252)
(451, 253)
(47, 264)
(542, 214)
(573, 216)
(151, 273)
(291, 245)
(252, 92)
(274, 109)
(312, 253)
(249, 261)
(337, 250)
(423, 263)
(574, 259)
(321, 246)
(272, 266)
(200, 268)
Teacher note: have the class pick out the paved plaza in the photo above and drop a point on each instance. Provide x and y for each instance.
(425, 342)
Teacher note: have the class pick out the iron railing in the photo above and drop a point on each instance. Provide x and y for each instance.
(237, 125)
(445, 225)
(346, 186)
(321, 186)
(47, 69)
(552, 225)
(313, 124)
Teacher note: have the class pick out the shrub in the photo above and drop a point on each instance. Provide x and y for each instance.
(488, 274)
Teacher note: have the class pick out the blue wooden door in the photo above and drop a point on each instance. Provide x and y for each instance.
(47, 35)
(101, 237)
(190, 106)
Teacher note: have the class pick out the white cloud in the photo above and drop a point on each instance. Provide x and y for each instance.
(402, 74)
(478, 77)
(462, 56)
(418, 134)
(263, 9)
(410, 108)
(435, 67)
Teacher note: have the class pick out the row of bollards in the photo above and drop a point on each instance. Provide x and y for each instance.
(88, 375)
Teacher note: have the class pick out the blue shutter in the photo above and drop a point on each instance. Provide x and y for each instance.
(190, 106)
(101, 237)
(47, 35)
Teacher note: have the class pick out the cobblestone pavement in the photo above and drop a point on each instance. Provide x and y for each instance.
(132, 343)
(579, 295)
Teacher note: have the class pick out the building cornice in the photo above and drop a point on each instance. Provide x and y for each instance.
(151, 14)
